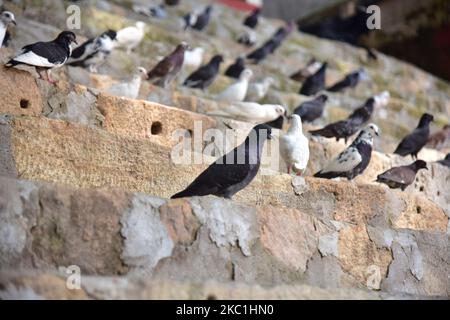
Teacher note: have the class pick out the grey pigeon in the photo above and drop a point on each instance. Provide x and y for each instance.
(350, 81)
(313, 109)
(346, 128)
(169, 67)
(315, 83)
(414, 142)
(232, 172)
(203, 19)
(311, 67)
(439, 138)
(46, 55)
(401, 177)
(205, 75)
(353, 160)
(445, 161)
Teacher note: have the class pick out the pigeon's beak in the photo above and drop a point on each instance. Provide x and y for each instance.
(14, 22)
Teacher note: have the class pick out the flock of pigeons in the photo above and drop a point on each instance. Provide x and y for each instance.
(224, 177)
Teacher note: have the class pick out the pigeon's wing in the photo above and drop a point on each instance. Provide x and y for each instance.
(340, 85)
(83, 49)
(346, 161)
(202, 74)
(42, 54)
(403, 175)
(163, 68)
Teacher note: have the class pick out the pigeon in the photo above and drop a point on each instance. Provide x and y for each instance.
(247, 38)
(315, 83)
(130, 37)
(348, 127)
(258, 90)
(93, 53)
(445, 161)
(261, 53)
(438, 139)
(350, 81)
(168, 68)
(401, 177)
(251, 20)
(414, 142)
(189, 20)
(279, 36)
(193, 58)
(382, 99)
(202, 19)
(251, 112)
(205, 75)
(6, 18)
(311, 67)
(46, 55)
(232, 172)
(294, 147)
(313, 109)
(156, 11)
(128, 89)
(235, 70)
(238, 90)
(353, 160)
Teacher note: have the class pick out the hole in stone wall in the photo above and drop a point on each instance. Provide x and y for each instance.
(156, 128)
(419, 209)
(24, 103)
(211, 297)
(421, 189)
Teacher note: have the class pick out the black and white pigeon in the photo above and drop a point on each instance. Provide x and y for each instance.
(350, 81)
(93, 53)
(312, 109)
(311, 67)
(169, 67)
(401, 177)
(445, 161)
(203, 19)
(232, 172)
(6, 18)
(353, 160)
(346, 128)
(414, 142)
(235, 70)
(158, 11)
(251, 20)
(315, 83)
(205, 75)
(45, 56)
(247, 37)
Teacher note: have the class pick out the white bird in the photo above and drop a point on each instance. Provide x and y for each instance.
(251, 112)
(258, 90)
(294, 147)
(238, 90)
(193, 58)
(6, 18)
(130, 37)
(128, 89)
(382, 99)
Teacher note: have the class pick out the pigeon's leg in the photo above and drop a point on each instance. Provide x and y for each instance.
(39, 71)
(49, 78)
(289, 169)
(299, 173)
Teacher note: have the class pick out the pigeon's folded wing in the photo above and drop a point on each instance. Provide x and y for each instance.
(346, 161)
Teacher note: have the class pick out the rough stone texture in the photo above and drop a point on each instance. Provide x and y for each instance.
(20, 94)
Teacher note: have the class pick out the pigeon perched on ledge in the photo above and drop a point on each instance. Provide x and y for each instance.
(250, 112)
(315, 83)
(93, 53)
(251, 20)
(346, 128)
(312, 109)
(130, 37)
(414, 142)
(235, 70)
(169, 67)
(401, 177)
(193, 58)
(238, 90)
(46, 55)
(205, 75)
(6, 18)
(311, 67)
(439, 138)
(294, 147)
(202, 20)
(353, 160)
(258, 90)
(350, 81)
(232, 172)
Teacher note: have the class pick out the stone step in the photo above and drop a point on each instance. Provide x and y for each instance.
(344, 244)
(28, 284)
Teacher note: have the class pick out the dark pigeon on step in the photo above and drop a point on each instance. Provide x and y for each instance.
(401, 177)
(414, 142)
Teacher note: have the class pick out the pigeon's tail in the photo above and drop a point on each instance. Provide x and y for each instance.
(325, 132)
(401, 152)
(11, 63)
(335, 88)
(182, 194)
(327, 175)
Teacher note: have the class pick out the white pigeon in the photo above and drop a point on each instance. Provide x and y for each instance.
(294, 147)
(258, 90)
(250, 112)
(6, 18)
(382, 99)
(193, 58)
(238, 90)
(130, 37)
(128, 89)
